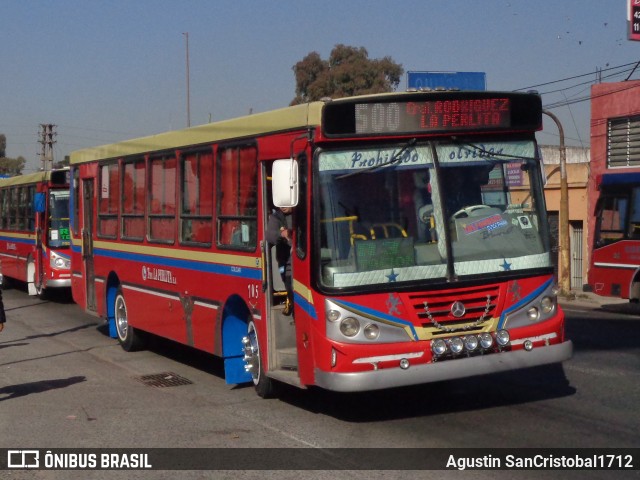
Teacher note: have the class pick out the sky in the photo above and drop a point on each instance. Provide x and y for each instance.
(110, 70)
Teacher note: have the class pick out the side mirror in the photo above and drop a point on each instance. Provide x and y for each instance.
(284, 183)
(39, 203)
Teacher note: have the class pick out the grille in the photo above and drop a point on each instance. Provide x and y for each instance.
(439, 303)
(166, 379)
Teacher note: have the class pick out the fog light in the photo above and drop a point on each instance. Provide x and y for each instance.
(533, 314)
(471, 342)
(528, 345)
(438, 347)
(456, 345)
(486, 340)
(371, 331)
(404, 364)
(502, 337)
(546, 305)
(350, 327)
(333, 315)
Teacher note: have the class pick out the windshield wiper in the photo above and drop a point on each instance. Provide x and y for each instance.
(395, 158)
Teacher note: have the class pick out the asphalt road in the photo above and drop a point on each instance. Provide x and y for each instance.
(65, 384)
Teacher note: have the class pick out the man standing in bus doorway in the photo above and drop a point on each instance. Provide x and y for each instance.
(279, 229)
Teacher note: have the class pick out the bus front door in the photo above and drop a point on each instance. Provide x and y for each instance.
(87, 244)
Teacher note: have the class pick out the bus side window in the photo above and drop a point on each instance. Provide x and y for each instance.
(612, 213)
(634, 216)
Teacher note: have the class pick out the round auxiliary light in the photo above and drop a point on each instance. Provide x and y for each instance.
(546, 305)
(471, 342)
(502, 337)
(333, 315)
(486, 340)
(456, 345)
(349, 327)
(439, 347)
(371, 331)
(404, 364)
(528, 345)
(533, 314)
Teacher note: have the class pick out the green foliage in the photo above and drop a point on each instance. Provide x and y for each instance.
(349, 71)
(9, 166)
(12, 166)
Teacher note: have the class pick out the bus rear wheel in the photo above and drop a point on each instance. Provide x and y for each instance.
(130, 339)
(264, 386)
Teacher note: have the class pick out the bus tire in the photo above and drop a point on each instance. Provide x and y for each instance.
(264, 386)
(129, 338)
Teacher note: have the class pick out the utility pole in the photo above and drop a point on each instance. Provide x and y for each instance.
(47, 135)
(564, 280)
(186, 35)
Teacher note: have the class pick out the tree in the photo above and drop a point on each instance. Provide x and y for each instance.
(348, 71)
(9, 166)
(12, 166)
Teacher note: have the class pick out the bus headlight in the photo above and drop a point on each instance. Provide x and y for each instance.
(486, 340)
(547, 305)
(333, 315)
(58, 261)
(438, 347)
(349, 327)
(471, 342)
(533, 314)
(456, 345)
(371, 331)
(502, 338)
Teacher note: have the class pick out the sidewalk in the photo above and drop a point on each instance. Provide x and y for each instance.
(592, 301)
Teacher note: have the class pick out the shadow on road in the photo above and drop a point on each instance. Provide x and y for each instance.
(22, 389)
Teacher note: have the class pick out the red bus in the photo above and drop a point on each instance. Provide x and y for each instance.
(34, 231)
(420, 246)
(615, 259)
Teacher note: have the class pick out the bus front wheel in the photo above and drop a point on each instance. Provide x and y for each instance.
(264, 386)
(130, 339)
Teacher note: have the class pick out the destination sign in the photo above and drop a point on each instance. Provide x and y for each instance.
(461, 112)
(432, 116)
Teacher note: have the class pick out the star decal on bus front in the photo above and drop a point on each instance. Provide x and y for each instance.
(506, 265)
(392, 276)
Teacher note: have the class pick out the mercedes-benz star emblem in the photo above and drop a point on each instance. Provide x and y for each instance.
(457, 309)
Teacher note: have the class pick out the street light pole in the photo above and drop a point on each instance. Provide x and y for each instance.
(186, 34)
(564, 280)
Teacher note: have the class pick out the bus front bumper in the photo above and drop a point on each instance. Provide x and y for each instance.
(443, 370)
(59, 283)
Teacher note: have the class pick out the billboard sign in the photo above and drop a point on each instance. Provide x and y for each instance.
(633, 20)
(447, 80)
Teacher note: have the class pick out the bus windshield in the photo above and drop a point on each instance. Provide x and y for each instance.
(424, 211)
(58, 236)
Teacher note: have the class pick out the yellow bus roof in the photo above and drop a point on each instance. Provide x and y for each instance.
(284, 119)
(26, 179)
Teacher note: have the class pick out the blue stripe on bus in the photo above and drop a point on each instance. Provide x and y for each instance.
(232, 270)
(29, 241)
(302, 302)
(536, 293)
(375, 313)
